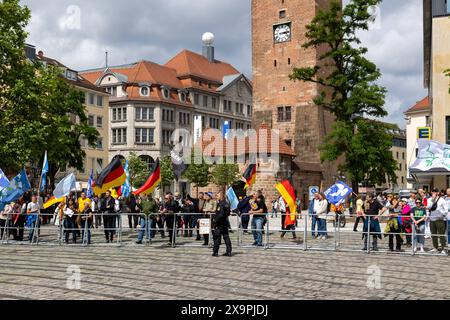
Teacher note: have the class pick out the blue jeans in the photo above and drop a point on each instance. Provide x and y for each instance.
(257, 225)
(448, 231)
(322, 227)
(314, 222)
(420, 235)
(144, 228)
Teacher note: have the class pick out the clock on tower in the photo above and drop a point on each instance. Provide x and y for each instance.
(282, 33)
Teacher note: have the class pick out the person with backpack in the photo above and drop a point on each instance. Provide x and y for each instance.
(322, 213)
(438, 212)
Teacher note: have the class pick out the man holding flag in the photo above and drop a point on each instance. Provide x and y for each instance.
(289, 202)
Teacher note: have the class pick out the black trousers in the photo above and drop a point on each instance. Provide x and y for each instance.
(19, 228)
(398, 240)
(357, 222)
(3, 228)
(245, 220)
(109, 224)
(133, 220)
(170, 221)
(217, 237)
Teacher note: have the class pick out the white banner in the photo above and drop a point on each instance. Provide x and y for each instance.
(197, 127)
(432, 155)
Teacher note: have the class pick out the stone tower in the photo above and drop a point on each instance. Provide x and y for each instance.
(278, 32)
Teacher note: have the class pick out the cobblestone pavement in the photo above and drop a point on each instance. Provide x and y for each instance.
(161, 272)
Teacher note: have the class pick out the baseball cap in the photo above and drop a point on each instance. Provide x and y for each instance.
(404, 200)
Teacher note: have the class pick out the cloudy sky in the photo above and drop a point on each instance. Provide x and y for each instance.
(78, 32)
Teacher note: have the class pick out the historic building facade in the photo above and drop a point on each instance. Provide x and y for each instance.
(278, 33)
(149, 102)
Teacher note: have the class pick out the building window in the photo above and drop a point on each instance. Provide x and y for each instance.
(214, 103)
(214, 123)
(227, 106)
(166, 93)
(91, 120)
(182, 97)
(249, 110)
(282, 14)
(91, 98)
(403, 156)
(196, 99)
(184, 118)
(284, 114)
(145, 135)
(145, 91)
(119, 136)
(99, 122)
(145, 114)
(447, 125)
(168, 115)
(400, 167)
(99, 145)
(398, 157)
(119, 114)
(205, 101)
(100, 101)
(167, 137)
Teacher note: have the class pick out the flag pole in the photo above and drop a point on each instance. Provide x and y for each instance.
(36, 228)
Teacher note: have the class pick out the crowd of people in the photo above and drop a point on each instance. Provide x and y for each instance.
(420, 216)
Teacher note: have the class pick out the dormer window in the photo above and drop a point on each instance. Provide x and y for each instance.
(145, 91)
(166, 93)
(182, 96)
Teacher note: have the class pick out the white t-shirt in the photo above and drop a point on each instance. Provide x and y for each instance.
(316, 205)
(33, 208)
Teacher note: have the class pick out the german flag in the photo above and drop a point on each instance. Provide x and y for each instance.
(53, 201)
(250, 175)
(153, 181)
(287, 192)
(112, 176)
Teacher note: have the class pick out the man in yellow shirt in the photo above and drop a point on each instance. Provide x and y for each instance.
(83, 202)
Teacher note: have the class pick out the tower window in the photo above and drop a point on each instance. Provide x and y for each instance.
(284, 114)
(275, 63)
(289, 61)
(282, 14)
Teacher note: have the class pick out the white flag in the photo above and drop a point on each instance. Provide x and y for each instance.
(432, 155)
(66, 185)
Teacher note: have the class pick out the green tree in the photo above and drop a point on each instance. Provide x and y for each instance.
(138, 170)
(198, 174)
(225, 174)
(348, 88)
(167, 175)
(37, 106)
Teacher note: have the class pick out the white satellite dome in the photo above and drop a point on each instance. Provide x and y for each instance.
(208, 38)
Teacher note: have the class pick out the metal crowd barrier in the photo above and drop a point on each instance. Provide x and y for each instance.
(180, 235)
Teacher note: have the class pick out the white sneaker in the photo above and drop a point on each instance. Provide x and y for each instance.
(433, 251)
(415, 249)
(443, 253)
(422, 249)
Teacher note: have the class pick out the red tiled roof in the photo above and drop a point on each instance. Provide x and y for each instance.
(194, 64)
(422, 105)
(245, 145)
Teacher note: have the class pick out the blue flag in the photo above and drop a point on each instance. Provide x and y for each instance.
(126, 185)
(231, 195)
(338, 193)
(90, 191)
(4, 182)
(15, 189)
(44, 173)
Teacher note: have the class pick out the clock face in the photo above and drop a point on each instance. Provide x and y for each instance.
(282, 33)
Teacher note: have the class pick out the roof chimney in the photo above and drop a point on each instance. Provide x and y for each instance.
(208, 46)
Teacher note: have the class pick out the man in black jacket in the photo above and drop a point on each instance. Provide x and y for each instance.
(220, 225)
(169, 208)
(109, 218)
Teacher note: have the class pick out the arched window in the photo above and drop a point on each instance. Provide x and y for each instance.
(148, 160)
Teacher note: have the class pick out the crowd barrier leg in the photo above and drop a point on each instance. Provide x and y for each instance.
(239, 230)
(174, 231)
(267, 232)
(367, 240)
(413, 240)
(336, 223)
(119, 232)
(305, 234)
